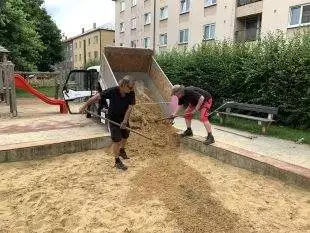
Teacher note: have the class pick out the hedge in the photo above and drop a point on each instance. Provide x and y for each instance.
(272, 72)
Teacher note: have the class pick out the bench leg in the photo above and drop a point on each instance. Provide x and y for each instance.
(265, 127)
(222, 119)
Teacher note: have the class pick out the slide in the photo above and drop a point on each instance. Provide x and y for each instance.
(21, 83)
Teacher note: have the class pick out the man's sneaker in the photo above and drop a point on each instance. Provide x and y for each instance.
(209, 140)
(119, 164)
(187, 133)
(123, 154)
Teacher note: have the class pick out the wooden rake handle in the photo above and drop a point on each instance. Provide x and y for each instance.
(115, 123)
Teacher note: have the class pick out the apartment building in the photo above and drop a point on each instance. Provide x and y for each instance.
(89, 45)
(68, 53)
(184, 23)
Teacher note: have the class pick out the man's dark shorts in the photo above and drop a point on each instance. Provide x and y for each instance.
(117, 134)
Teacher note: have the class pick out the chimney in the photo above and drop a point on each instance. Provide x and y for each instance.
(82, 30)
(94, 25)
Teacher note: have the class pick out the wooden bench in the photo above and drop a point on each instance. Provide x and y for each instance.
(249, 109)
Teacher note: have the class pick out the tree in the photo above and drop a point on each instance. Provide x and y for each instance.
(19, 35)
(50, 35)
(30, 34)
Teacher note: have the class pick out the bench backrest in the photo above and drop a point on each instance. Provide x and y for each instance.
(252, 107)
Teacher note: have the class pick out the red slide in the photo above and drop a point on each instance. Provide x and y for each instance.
(21, 83)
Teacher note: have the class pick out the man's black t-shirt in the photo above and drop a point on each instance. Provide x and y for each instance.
(118, 103)
(192, 95)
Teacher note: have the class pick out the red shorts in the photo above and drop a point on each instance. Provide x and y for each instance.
(204, 111)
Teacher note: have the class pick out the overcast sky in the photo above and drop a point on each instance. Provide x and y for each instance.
(72, 15)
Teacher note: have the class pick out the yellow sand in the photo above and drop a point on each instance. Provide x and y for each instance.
(166, 189)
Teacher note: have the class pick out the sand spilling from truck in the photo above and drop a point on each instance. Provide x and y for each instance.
(182, 189)
(166, 189)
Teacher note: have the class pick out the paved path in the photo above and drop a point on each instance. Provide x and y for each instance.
(38, 123)
(287, 151)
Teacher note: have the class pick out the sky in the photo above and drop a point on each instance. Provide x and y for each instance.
(73, 15)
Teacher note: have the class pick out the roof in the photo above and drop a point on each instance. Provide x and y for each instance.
(3, 50)
(101, 28)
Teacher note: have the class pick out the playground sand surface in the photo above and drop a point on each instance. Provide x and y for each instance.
(166, 189)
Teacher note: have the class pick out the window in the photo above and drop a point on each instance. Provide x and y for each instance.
(210, 2)
(80, 44)
(80, 57)
(209, 32)
(70, 47)
(75, 57)
(184, 6)
(146, 42)
(121, 27)
(164, 13)
(89, 55)
(163, 39)
(75, 45)
(133, 23)
(95, 39)
(147, 18)
(122, 5)
(300, 15)
(121, 44)
(183, 36)
(134, 2)
(133, 44)
(88, 41)
(96, 54)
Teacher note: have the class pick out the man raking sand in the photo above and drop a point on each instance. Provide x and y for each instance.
(122, 98)
(196, 100)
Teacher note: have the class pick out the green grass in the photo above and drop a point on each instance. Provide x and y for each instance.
(49, 91)
(273, 130)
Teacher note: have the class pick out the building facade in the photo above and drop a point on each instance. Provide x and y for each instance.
(184, 23)
(68, 53)
(88, 46)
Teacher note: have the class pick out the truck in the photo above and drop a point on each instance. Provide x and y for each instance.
(117, 62)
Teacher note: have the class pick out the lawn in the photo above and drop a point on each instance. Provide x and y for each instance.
(48, 91)
(274, 130)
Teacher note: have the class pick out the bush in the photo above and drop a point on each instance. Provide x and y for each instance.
(273, 72)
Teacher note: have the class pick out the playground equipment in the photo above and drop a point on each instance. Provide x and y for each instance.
(7, 85)
(21, 83)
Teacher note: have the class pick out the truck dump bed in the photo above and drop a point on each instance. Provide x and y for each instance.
(141, 66)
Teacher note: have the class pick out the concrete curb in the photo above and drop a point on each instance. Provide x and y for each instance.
(53, 149)
(251, 161)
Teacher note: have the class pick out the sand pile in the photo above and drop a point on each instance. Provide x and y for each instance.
(182, 189)
(165, 138)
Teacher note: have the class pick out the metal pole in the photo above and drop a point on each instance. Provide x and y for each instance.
(154, 27)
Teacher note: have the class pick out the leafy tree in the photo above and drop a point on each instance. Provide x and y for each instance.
(30, 34)
(49, 33)
(18, 34)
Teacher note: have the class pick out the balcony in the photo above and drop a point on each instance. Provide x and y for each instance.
(246, 2)
(250, 34)
(249, 7)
